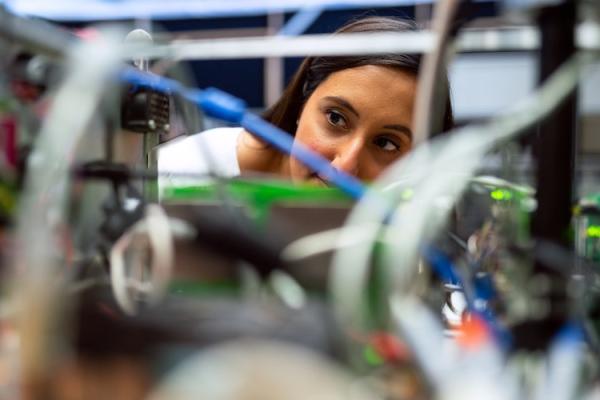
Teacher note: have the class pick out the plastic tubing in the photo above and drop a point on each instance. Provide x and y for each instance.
(444, 165)
(39, 263)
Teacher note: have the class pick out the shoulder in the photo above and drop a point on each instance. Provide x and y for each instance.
(210, 151)
(223, 134)
(254, 155)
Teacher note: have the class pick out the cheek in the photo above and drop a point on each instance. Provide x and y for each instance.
(310, 135)
(370, 172)
(375, 164)
(313, 136)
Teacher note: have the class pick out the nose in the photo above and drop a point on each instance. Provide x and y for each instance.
(347, 156)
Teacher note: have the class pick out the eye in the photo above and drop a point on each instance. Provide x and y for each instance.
(336, 118)
(386, 144)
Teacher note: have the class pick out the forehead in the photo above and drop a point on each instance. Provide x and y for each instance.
(372, 87)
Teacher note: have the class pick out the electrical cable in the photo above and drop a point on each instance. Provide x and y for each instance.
(38, 35)
(324, 241)
(122, 173)
(332, 240)
(37, 266)
(563, 365)
(421, 193)
(447, 163)
(448, 273)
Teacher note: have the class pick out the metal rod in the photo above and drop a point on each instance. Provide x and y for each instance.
(518, 39)
(94, 10)
(39, 36)
(554, 149)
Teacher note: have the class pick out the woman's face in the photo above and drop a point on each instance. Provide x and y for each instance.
(360, 119)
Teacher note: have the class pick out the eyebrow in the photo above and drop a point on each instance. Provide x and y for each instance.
(400, 128)
(346, 104)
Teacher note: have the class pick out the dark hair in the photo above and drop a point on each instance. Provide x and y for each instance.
(314, 70)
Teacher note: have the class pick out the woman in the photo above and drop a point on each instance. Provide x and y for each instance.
(356, 111)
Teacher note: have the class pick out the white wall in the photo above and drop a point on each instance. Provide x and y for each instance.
(485, 84)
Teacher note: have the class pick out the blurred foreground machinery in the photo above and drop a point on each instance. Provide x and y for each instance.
(435, 282)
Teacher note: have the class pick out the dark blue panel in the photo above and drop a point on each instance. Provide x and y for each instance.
(331, 20)
(242, 78)
(214, 23)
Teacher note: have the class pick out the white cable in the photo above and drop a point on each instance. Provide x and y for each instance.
(329, 240)
(496, 182)
(563, 370)
(322, 242)
(154, 232)
(285, 46)
(162, 241)
(454, 160)
(39, 262)
(424, 336)
(470, 40)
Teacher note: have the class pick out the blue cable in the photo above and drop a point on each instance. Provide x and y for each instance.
(572, 332)
(445, 269)
(441, 265)
(285, 143)
(219, 104)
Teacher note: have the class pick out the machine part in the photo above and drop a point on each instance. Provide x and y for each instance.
(39, 263)
(141, 261)
(443, 167)
(587, 228)
(554, 150)
(145, 111)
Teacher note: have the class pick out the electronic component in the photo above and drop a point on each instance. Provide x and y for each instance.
(145, 110)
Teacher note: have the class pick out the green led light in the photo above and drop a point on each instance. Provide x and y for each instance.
(372, 357)
(593, 231)
(501, 195)
(407, 194)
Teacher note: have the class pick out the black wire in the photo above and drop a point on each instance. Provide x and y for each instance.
(458, 240)
(115, 172)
